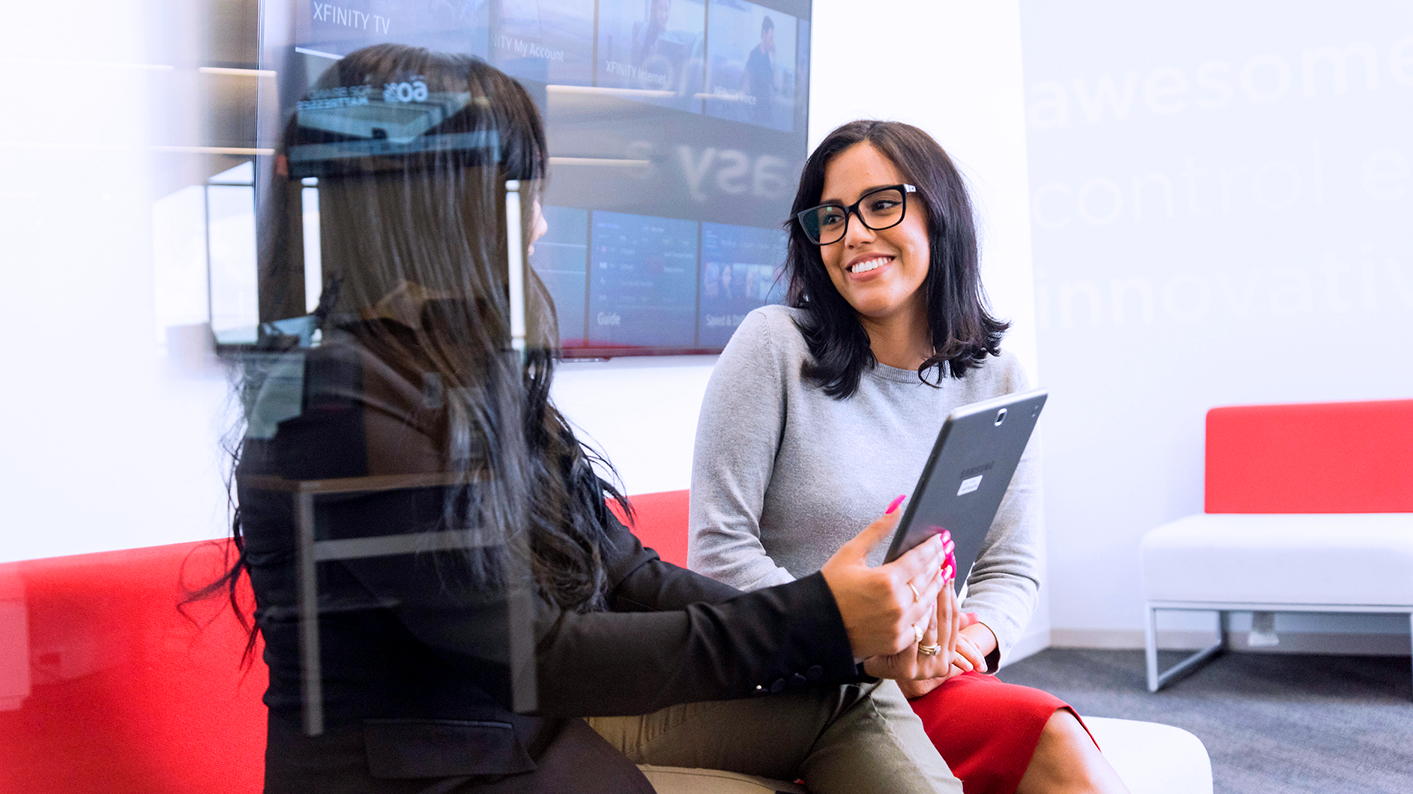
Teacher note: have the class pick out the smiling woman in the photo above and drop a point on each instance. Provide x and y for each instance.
(817, 414)
(923, 307)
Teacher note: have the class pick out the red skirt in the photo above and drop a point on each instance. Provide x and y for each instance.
(987, 730)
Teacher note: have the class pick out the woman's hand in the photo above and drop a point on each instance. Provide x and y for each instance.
(934, 657)
(880, 606)
(976, 641)
(972, 647)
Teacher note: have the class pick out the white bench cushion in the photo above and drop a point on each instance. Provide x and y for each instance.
(1341, 559)
(1152, 758)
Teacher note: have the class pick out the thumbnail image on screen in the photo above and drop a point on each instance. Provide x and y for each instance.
(643, 288)
(560, 259)
(751, 64)
(551, 41)
(742, 269)
(653, 50)
(339, 27)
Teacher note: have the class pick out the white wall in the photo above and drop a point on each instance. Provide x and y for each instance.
(1222, 196)
(102, 448)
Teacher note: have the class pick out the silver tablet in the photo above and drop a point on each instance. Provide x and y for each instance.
(966, 476)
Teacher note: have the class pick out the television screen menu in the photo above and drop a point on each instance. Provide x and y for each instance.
(645, 283)
(742, 269)
(559, 260)
(676, 132)
(642, 284)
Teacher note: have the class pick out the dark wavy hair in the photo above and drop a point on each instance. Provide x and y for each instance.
(436, 219)
(963, 331)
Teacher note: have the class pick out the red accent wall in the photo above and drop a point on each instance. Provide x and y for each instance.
(1353, 457)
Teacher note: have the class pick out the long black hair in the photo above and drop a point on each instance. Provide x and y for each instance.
(963, 331)
(409, 216)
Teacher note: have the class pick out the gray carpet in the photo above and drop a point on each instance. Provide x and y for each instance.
(1271, 723)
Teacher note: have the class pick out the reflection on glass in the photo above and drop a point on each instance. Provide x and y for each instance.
(204, 264)
(231, 210)
(179, 261)
(313, 263)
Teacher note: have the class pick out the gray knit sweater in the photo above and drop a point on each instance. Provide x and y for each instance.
(783, 474)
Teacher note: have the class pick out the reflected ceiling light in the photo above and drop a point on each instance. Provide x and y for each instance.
(239, 150)
(632, 93)
(226, 70)
(143, 67)
(318, 53)
(602, 162)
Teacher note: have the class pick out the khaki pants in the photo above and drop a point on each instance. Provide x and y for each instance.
(851, 739)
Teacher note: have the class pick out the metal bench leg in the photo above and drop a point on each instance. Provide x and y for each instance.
(1150, 647)
(1157, 679)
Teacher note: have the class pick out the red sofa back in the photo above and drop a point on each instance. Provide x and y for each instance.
(660, 523)
(1353, 457)
(106, 686)
(124, 693)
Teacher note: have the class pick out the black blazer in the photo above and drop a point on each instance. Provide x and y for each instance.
(415, 679)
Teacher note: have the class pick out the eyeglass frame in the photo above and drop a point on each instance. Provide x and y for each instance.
(853, 209)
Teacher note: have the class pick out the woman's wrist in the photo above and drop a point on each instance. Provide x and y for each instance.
(985, 640)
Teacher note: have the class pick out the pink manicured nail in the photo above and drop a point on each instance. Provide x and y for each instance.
(946, 534)
(895, 504)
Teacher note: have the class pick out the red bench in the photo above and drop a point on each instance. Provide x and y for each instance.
(1309, 508)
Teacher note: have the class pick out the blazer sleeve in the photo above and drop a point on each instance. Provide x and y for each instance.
(670, 636)
(639, 581)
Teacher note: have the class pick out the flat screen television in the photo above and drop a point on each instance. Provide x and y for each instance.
(676, 129)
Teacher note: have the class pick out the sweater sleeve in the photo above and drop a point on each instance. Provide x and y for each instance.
(1004, 583)
(738, 435)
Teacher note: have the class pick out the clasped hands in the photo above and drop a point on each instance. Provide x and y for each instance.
(902, 618)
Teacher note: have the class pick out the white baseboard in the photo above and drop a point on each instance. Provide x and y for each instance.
(1290, 642)
(1028, 645)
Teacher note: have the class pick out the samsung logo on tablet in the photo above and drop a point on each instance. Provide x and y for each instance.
(975, 470)
(970, 484)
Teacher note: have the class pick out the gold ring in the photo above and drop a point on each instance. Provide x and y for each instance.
(918, 633)
(929, 650)
(916, 595)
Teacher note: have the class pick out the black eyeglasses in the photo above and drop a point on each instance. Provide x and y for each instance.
(878, 209)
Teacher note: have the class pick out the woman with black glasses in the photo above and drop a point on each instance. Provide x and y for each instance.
(822, 409)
